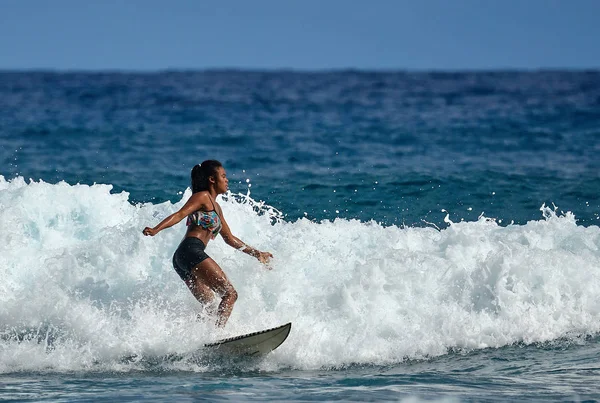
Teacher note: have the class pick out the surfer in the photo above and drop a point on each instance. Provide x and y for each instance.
(205, 221)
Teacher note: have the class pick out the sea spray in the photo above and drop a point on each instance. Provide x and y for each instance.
(83, 288)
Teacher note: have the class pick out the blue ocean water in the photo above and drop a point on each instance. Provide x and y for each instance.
(435, 234)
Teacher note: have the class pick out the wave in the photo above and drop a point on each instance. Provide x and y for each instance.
(82, 287)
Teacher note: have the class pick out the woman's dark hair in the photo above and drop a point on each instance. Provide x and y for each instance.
(201, 173)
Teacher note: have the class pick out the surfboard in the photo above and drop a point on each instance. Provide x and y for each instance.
(252, 344)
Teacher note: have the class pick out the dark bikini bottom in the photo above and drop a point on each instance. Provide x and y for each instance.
(188, 255)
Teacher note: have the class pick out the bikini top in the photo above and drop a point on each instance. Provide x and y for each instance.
(209, 220)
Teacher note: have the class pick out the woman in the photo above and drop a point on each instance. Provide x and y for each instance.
(205, 221)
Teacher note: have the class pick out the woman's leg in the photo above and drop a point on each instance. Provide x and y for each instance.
(204, 295)
(209, 277)
(200, 290)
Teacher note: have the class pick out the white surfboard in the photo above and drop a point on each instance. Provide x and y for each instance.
(253, 344)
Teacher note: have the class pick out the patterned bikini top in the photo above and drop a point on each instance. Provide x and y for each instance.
(209, 220)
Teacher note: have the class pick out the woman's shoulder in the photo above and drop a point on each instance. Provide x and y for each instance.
(204, 200)
(201, 194)
(202, 197)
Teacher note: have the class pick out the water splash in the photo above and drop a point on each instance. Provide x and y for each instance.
(83, 289)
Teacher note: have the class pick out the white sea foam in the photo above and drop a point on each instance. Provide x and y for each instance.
(82, 287)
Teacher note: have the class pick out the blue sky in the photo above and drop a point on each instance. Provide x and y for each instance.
(307, 34)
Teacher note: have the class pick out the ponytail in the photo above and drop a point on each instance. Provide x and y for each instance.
(201, 174)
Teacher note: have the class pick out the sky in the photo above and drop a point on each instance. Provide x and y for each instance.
(299, 34)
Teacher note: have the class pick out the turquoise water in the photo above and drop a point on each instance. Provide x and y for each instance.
(535, 373)
(435, 234)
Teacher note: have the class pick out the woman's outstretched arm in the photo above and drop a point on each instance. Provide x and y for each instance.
(237, 243)
(194, 203)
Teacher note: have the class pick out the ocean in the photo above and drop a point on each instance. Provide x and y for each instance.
(435, 234)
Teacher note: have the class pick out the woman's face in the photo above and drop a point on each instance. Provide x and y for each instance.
(221, 181)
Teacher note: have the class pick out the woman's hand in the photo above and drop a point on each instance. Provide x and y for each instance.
(149, 231)
(264, 258)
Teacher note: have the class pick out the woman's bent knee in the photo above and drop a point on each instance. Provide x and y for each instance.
(231, 294)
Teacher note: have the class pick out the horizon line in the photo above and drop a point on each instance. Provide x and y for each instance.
(293, 70)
